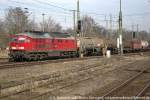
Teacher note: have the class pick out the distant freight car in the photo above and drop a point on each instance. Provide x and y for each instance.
(90, 45)
(135, 45)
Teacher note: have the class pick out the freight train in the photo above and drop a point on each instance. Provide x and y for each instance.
(36, 45)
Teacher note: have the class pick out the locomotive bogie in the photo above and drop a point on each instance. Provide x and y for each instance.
(33, 56)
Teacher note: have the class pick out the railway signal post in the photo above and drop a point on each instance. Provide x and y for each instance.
(43, 23)
(74, 20)
(79, 26)
(120, 31)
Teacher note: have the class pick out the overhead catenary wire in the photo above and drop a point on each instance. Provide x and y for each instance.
(45, 8)
(52, 5)
(67, 11)
(70, 10)
(37, 7)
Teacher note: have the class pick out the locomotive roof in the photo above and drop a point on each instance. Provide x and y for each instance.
(47, 35)
(36, 34)
(60, 35)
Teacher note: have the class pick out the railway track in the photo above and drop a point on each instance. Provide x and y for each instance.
(139, 53)
(145, 92)
(132, 87)
(59, 80)
(5, 65)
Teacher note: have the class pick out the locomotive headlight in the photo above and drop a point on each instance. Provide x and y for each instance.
(21, 39)
(13, 48)
(21, 48)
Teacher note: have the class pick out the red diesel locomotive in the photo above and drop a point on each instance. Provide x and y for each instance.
(38, 45)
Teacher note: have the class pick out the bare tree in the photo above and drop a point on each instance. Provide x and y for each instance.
(16, 20)
(3, 35)
(91, 28)
(88, 24)
(50, 25)
(1, 26)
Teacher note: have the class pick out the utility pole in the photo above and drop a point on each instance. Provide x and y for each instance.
(107, 35)
(18, 22)
(133, 31)
(26, 23)
(33, 27)
(74, 24)
(120, 29)
(78, 10)
(137, 31)
(79, 29)
(106, 21)
(74, 20)
(43, 22)
(132, 27)
(110, 26)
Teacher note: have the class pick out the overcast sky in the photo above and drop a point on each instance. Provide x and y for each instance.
(134, 11)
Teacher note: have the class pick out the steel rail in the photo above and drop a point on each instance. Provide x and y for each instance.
(7, 65)
(122, 84)
(143, 90)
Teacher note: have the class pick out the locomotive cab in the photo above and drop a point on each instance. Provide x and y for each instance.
(18, 45)
(19, 42)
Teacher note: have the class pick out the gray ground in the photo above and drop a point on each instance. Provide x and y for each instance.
(112, 72)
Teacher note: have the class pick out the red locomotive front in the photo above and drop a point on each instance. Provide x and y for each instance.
(18, 45)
